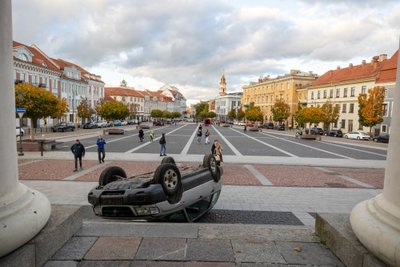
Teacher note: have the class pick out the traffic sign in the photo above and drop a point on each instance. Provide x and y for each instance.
(21, 112)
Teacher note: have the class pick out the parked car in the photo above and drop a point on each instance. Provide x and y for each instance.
(334, 133)
(89, 125)
(18, 131)
(117, 123)
(167, 194)
(357, 135)
(124, 123)
(158, 123)
(63, 127)
(268, 125)
(101, 124)
(279, 127)
(317, 130)
(383, 138)
(131, 122)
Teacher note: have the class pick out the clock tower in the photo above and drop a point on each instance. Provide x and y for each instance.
(222, 85)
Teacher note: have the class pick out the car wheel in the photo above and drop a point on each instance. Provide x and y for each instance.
(111, 174)
(346, 137)
(169, 176)
(168, 160)
(375, 140)
(210, 162)
(358, 138)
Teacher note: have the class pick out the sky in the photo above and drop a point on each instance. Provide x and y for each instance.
(188, 44)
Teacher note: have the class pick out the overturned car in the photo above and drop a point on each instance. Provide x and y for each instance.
(168, 194)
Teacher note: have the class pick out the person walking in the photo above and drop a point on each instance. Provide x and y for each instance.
(141, 135)
(199, 135)
(151, 136)
(207, 135)
(163, 143)
(79, 151)
(216, 150)
(101, 148)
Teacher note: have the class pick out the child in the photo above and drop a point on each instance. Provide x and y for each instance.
(207, 135)
(151, 136)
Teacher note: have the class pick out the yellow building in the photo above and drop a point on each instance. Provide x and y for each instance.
(267, 90)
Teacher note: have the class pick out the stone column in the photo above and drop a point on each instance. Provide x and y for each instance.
(23, 212)
(376, 222)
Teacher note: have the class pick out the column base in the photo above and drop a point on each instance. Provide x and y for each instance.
(376, 223)
(22, 215)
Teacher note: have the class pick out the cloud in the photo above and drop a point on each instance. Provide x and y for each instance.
(189, 43)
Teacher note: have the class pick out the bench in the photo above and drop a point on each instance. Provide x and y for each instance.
(113, 131)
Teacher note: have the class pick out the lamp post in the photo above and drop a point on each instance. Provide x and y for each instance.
(20, 114)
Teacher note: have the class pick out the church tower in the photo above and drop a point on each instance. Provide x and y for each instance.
(222, 85)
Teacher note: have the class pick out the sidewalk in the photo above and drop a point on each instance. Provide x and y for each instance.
(265, 215)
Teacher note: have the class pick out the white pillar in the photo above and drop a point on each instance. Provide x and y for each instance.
(23, 212)
(376, 222)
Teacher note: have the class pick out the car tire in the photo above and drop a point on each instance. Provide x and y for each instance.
(358, 138)
(168, 160)
(111, 174)
(346, 137)
(169, 176)
(210, 163)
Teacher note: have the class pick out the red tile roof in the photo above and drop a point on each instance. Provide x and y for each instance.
(121, 91)
(39, 58)
(357, 72)
(388, 70)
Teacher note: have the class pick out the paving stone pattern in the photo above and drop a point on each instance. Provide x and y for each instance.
(234, 174)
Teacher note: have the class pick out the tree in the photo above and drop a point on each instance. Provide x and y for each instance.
(156, 113)
(309, 115)
(232, 114)
(39, 103)
(113, 110)
(201, 110)
(280, 111)
(176, 114)
(331, 114)
(61, 109)
(254, 113)
(211, 114)
(85, 111)
(240, 114)
(166, 114)
(370, 110)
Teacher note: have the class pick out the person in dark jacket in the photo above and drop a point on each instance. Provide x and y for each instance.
(141, 135)
(101, 148)
(79, 151)
(163, 143)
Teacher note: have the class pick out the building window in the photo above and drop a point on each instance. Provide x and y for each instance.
(345, 92)
(343, 124)
(324, 93)
(337, 92)
(385, 110)
(352, 91)
(344, 108)
(384, 128)
(319, 94)
(331, 93)
(363, 89)
(351, 108)
(312, 95)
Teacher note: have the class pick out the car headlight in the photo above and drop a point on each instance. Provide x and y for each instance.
(149, 210)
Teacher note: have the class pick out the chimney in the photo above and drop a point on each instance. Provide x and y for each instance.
(375, 59)
(338, 67)
(364, 62)
(382, 57)
(350, 65)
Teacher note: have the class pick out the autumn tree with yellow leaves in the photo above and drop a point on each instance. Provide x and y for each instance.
(370, 111)
(39, 103)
